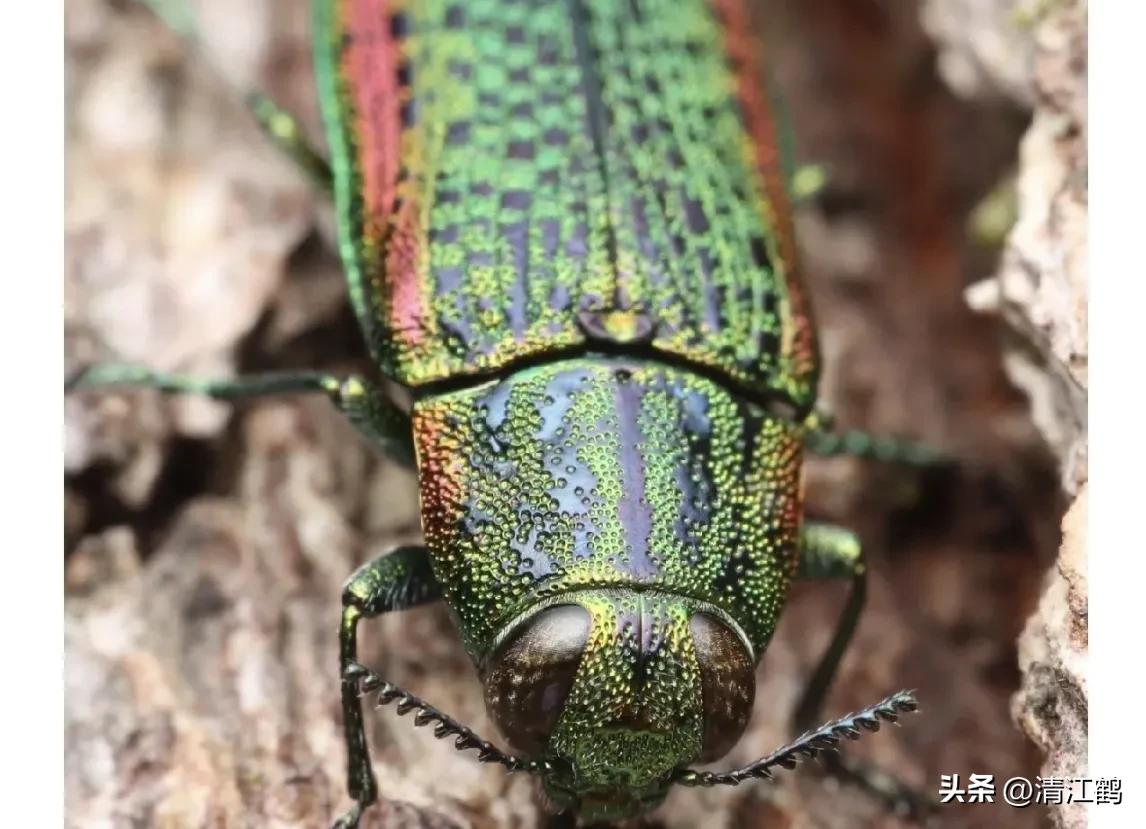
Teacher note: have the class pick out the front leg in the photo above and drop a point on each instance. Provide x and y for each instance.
(831, 552)
(394, 581)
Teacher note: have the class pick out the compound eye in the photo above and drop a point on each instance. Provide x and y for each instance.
(728, 682)
(532, 672)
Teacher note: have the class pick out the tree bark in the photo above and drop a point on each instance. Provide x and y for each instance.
(1040, 293)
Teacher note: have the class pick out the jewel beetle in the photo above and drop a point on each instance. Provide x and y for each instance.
(566, 230)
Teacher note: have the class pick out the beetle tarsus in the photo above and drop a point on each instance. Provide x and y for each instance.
(350, 819)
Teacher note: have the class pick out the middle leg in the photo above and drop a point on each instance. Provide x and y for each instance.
(364, 404)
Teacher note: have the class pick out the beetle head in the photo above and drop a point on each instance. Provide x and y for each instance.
(615, 690)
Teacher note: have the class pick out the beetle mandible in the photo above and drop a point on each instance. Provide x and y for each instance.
(565, 228)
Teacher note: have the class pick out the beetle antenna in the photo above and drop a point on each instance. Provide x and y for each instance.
(444, 725)
(809, 744)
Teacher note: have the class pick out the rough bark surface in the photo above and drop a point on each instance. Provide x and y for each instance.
(207, 545)
(1041, 293)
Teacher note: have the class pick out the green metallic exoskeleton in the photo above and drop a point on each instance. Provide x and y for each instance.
(566, 230)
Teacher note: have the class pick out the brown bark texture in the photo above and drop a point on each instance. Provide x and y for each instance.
(1040, 292)
(207, 544)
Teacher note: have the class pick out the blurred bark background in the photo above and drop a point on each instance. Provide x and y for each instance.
(207, 545)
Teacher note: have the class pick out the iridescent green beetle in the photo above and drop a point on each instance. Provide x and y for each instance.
(566, 230)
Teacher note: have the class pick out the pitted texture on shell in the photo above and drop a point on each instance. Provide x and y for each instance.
(595, 472)
(516, 178)
(635, 709)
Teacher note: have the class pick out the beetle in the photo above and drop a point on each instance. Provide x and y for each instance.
(566, 229)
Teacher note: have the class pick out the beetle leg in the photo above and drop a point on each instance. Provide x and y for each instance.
(280, 126)
(284, 131)
(394, 581)
(376, 416)
(806, 182)
(831, 552)
(365, 405)
(874, 447)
